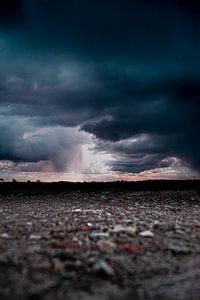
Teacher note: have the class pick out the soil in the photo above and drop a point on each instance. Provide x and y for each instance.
(100, 245)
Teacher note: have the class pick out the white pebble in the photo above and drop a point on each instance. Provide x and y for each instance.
(5, 236)
(29, 223)
(146, 233)
(34, 237)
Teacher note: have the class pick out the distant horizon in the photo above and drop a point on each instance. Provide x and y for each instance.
(60, 177)
(106, 182)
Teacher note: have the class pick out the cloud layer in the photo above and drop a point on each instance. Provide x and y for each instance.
(125, 73)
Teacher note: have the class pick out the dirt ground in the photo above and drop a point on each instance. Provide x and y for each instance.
(100, 245)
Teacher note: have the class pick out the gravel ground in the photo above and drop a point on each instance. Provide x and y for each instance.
(100, 245)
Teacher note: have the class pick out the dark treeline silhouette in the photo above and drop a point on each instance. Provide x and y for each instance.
(56, 187)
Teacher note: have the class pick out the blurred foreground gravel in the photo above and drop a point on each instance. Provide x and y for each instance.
(100, 245)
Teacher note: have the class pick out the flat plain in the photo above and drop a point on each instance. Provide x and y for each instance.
(107, 244)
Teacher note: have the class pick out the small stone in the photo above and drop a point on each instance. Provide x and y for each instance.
(101, 267)
(134, 249)
(34, 237)
(78, 263)
(58, 266)
(29, 223)
(5, 235)
(129, 229)
(178, 249)
(155, 224)
(146, 233)
(100, 234)
(107, 246)
(84, 228)
(78, 210)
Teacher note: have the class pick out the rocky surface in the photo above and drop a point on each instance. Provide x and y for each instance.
(100, 245)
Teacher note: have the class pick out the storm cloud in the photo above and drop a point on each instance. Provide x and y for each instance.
(120, 74)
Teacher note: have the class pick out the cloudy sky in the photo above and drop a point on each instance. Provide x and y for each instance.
(99, 89)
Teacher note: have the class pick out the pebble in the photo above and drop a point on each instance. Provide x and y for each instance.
(29, 223)
(99, 234)
(134, 249)
(89, 224)
(120, 228)
(103, 268)
(78, 210)
(58, 265)
(155, 224)
(5, 235)
(34, 237)
(146, 233)
(107, 245)
(178, 249)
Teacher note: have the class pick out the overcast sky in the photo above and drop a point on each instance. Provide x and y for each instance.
(99, 89)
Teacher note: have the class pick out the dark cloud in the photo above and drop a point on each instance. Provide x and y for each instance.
(172, 115)
(120, 70)
(189, 7)
(99, 29)
(148, 162)
(11, 13)
(166, 110)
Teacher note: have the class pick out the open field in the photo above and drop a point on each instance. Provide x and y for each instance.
(102, 244)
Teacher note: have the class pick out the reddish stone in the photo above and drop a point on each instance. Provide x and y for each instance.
(61, 245)
(84, 228)
(134, 249)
